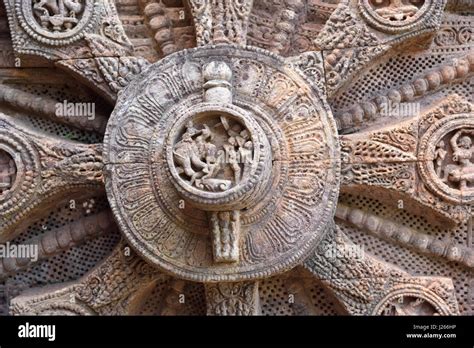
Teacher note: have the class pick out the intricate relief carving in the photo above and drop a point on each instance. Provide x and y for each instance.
(312, 65)
(44, 168)
(58, 240)
(58, 15)
(225, 232)
(405, 158)
(396, 11)
(395, 16)
(455, 70)
(412, 301)
(234, 299)
(214, 156)
(7, 171)
(453, 36)
(55, 29)
(118, 72)
(266, 114)
(114, 287)
(344, 29)
(221, 21)
(171, 24)
(57, 22)
(365, 285)
(453, 162)
(446, 150)
(288, 27)
(222, 162)
(353, 42)
(406, 236)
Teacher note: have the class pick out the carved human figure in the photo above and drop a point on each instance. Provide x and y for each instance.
(209, 151)
(246, 152)
(186, 155)
(213, 155)
(232, 157)
(440, 155)
(60, 14)
(7, 171)
(396, 10)
(463, 150)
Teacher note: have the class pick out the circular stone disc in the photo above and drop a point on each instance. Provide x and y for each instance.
(278, 231)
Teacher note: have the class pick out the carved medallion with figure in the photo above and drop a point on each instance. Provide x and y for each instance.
(454, 159)
(57, 22)
(199, 130)
(215, 155)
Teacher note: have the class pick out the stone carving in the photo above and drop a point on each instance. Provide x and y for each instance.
(312, 65)
(222, 163)
(406, 236)
(412, 302)
(220, 21)
(397, 16)
(216, 156)
(446, 150)
(447, 73)
(393, 14)
(56, 22)
(234, 299)
(288, 27)
(459, 35)
(7, 172)
(62, 29)
(287, 127)
(366, 286)
(456, 171)
(45, 168)
(171, 24)
(408, 155)
(58, 15)
(115, 287)
(354, 40)
(58, 240)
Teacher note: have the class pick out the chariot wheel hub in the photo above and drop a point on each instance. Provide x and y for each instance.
(222, 164)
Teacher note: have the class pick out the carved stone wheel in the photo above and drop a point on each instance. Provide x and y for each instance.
(286, 190)
(236, 157)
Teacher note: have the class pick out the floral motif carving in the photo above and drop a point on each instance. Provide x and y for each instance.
(233, 299)
(221, 21)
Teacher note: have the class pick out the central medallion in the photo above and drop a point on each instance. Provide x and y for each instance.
(222, 164)
(214, 154)
(217, 156)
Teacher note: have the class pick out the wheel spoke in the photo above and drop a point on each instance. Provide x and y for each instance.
(366, 286)
(117, 286)
(59, 240)
(44, 170)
